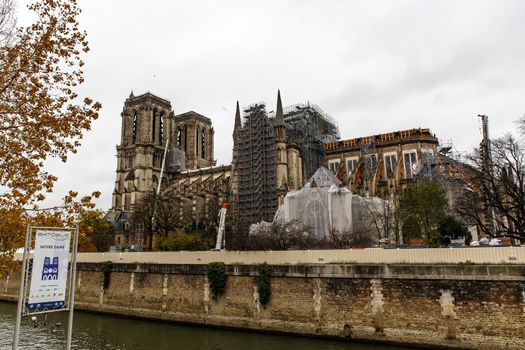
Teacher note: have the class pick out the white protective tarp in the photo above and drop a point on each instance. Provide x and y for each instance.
(324, 205)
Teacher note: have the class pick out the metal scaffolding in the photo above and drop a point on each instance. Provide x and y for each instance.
(255, 165)
(309, 127)
(255, 197)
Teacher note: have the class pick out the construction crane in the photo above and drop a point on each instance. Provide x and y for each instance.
(486, 158)
(221, 238)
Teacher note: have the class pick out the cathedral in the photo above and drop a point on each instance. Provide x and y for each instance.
(273, 153)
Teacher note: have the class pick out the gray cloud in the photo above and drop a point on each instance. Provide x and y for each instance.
(375, 66)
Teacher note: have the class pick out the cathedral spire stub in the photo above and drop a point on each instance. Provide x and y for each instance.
(279, 117)
(237, 118)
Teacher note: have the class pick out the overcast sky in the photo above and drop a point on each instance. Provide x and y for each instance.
(375, 66)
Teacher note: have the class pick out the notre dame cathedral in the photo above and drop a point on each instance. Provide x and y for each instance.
(274, 152)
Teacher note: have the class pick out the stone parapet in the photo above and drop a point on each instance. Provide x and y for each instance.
(460, 306)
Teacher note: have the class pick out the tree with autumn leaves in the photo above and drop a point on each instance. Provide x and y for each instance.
(41, 114)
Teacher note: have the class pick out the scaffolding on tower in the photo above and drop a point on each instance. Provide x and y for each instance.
(256, 198)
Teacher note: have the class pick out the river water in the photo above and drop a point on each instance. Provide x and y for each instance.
(97, 332)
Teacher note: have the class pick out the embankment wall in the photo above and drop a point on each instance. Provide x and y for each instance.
(464, 306)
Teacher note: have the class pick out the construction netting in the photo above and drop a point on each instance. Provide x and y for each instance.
(324, 205)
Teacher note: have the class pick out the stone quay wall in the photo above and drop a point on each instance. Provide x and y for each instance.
(461, 306)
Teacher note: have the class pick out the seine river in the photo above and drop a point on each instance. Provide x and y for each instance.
(97, 332)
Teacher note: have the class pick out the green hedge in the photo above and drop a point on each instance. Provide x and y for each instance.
(105, 267)
(263, 283)
(217, 278)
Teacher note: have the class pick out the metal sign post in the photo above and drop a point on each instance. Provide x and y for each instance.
(16, 337)
(72, 285)
(48, 285)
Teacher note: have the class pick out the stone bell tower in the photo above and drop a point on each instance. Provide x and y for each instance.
(194, 136)
(147, 121)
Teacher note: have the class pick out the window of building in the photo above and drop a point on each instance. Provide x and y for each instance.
(410, 162)
(428, 155)
(179, 138)
(118, 241)
(196, 142)
(185, 139)
(351, 164)
(134, 135)
(126, 240)
(161, 128)
(371, 162)
(333, 165)
(154, 125)
(390, 164)
(203, 143)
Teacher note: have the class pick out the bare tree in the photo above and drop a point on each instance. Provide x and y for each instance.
(281, 235)
(521, 125)
(7, 21)
(348, 239)
(158, 214)
(167, 216)
(496, 202)
(143, 216)
(385, 220)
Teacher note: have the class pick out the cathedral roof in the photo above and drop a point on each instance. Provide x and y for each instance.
(323, 177)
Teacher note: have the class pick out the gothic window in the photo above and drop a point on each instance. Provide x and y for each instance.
(371, 162)
(333, 165)
(185, 142)
(161, 128)
(410, 162)
(351, 164)
(134, 137)
(196, 141)
(390, 164)
(203, 143)
(316, 217)
(179, 138)
(153, 125)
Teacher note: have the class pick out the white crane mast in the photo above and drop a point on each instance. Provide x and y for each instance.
(221, 238)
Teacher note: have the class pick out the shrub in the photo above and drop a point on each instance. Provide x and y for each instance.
(181, 240)
(217, 278)
(264, 285)
(105, 267)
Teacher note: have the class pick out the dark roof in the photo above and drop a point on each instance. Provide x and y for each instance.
(118, 218)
